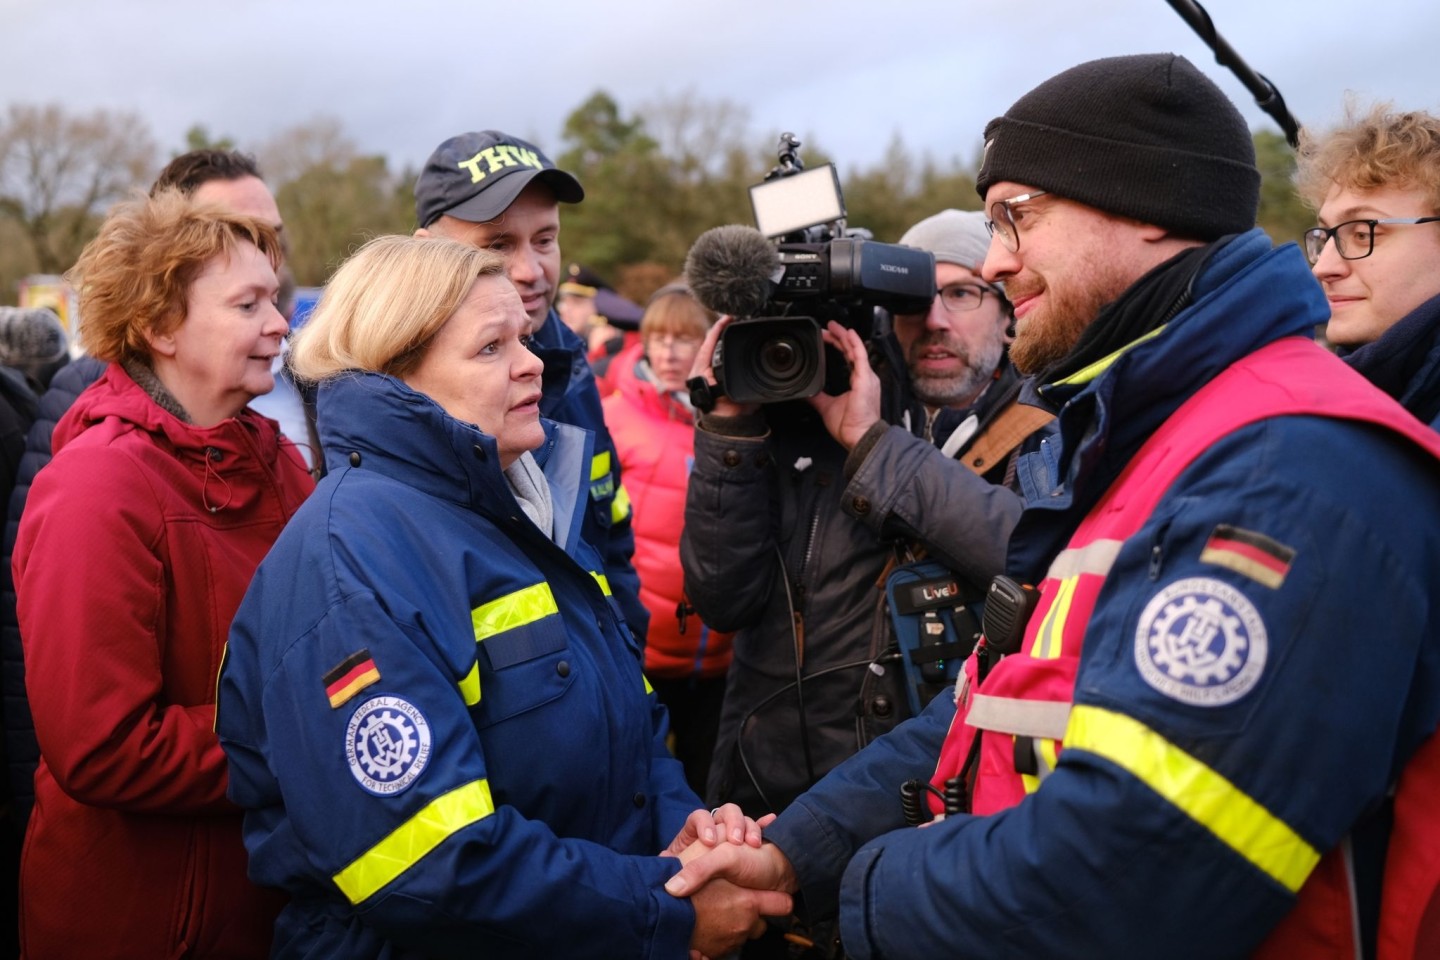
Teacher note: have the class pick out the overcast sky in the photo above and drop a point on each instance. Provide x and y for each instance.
(402, 76)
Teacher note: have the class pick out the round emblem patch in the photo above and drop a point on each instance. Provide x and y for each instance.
(387, 744)
(1202, 642)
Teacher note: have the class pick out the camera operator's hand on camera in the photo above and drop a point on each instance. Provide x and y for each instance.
(849, 415)
(703, 367)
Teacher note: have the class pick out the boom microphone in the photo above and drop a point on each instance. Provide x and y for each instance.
(733, 270)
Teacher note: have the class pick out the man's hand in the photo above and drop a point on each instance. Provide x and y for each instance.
(849, 415)
(727, 915)
(704, 367)
(706, 828)
(758, 868)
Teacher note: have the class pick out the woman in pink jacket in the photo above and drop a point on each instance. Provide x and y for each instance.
(137, 542)
(652, 423)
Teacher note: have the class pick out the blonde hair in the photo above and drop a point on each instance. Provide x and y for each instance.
(674, 310)
(1379, 148)
(385, 304)
(134, 278)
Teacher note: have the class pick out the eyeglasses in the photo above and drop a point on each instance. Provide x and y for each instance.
(671, 342)
(959, 297)
(1354, 239)
(1002, 219)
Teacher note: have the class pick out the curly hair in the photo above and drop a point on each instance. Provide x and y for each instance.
(1370, 150)
(385, 304)
(135, 276)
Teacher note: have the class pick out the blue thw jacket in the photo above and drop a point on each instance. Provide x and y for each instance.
(570, 395)
(1098, 862)
(435, 716)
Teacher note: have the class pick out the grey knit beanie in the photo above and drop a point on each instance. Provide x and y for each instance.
(1145, 136)
(31, 340)
(953, 236)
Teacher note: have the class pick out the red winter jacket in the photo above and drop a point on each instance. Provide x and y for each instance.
(654, 435)
(136, 545)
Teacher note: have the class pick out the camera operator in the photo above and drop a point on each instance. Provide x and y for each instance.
(778, 546)
(960, 372)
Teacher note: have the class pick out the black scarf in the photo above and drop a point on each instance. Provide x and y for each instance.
(1146, 305)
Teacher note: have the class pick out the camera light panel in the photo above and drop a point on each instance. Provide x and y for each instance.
(787, 204)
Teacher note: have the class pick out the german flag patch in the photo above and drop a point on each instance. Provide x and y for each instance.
(349, 677)
(1251, 554)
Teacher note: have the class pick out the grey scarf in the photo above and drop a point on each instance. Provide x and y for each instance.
(531, 491)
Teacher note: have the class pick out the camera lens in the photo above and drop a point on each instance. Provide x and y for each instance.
(779, 358)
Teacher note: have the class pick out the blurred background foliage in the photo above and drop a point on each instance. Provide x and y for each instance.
(655, 178)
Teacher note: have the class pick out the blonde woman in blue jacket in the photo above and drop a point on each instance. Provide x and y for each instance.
(435, 714)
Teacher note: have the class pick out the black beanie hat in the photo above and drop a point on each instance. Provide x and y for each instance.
(1145, 136)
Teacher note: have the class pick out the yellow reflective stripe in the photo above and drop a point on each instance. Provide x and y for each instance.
(620, 506)
(600, 465)
(1202, 794)
(470, 686)
(1103, 364)
(513, 610)
(414, 838)
(648, 689)
(603, 580)
(1048, 637)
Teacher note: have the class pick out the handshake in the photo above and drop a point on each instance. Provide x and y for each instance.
(731, 878)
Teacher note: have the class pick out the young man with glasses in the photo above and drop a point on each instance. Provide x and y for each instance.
(1375, 183)
(1230, 656)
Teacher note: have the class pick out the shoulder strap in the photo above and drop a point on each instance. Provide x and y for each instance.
(1289, 377)
(1003, 434)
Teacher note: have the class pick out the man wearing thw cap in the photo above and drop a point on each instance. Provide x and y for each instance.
(501, 193)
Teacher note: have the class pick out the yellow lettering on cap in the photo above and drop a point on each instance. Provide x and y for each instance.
(498, 157)
(473, 165)
(495, 158)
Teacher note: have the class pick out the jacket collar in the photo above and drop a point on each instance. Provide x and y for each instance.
(1405, 360)
(377, 422)
(116, 395)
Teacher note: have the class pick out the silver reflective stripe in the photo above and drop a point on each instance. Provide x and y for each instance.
(1348, 853)
(1025, 718)
(1097, 558)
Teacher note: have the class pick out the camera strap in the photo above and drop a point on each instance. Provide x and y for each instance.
(936, 616)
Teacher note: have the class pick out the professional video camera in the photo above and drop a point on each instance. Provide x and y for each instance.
(783, 281)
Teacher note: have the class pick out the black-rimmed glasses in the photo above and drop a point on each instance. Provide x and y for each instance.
(956, 298)
(1354, 239)
(1002, 219)
(959, 297)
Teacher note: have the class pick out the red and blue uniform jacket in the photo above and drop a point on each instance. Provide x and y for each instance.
(1169, 826)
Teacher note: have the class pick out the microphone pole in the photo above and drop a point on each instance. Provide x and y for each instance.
(1267, 97)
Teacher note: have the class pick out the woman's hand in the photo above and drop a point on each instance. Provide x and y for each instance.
(708, 828)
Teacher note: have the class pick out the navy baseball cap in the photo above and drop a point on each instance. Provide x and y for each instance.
(476, 176)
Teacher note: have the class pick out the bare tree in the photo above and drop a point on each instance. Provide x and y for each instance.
(320, 142)
(58, 171)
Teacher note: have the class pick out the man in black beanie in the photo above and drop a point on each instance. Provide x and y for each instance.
(1174, 746)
